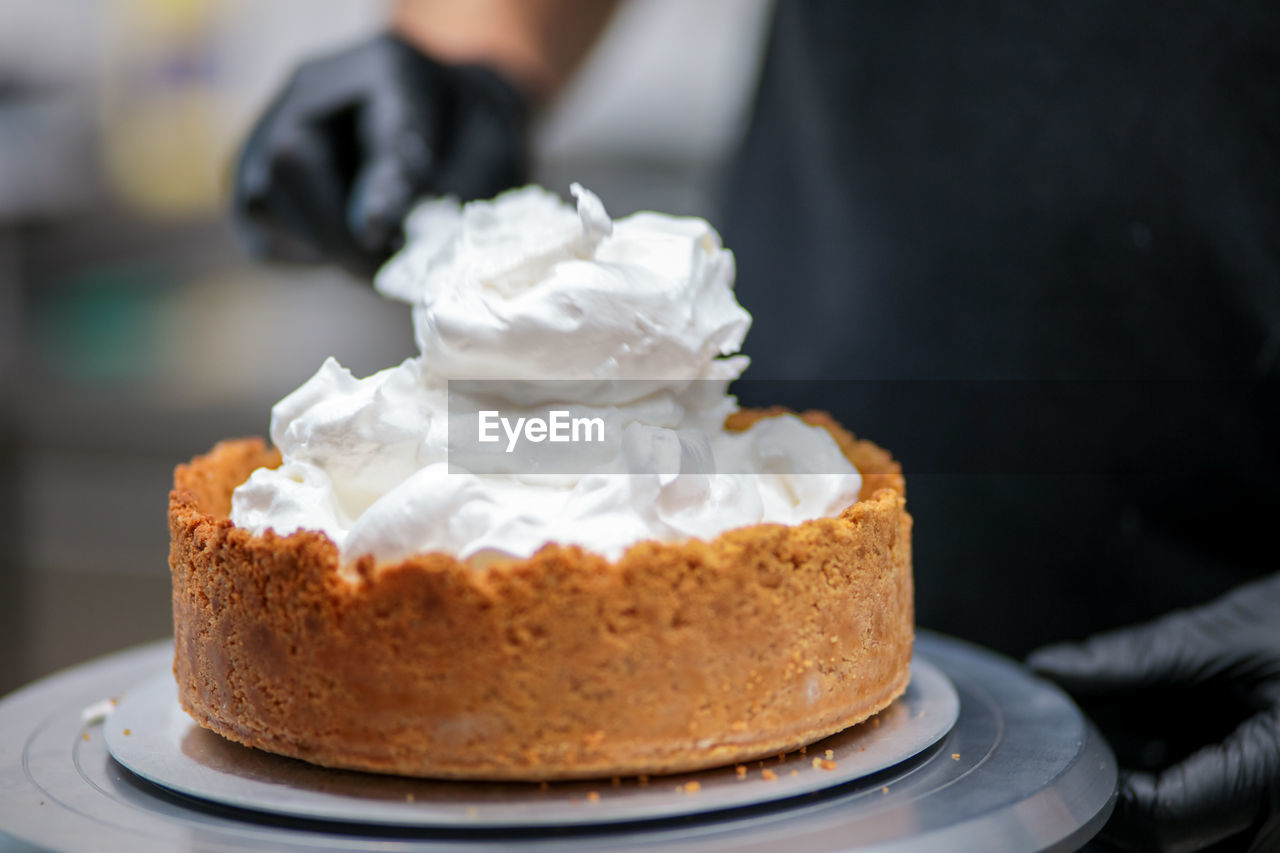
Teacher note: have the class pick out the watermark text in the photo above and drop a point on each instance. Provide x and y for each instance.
(557, 427)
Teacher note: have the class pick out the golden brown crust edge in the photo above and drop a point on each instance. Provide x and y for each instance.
(564, 665)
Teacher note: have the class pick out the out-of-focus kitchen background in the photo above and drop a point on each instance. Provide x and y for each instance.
(133, 335)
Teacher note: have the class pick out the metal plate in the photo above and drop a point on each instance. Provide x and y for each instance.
(1022, 770)
(166, 747)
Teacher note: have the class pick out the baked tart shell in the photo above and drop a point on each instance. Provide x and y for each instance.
(565, 665)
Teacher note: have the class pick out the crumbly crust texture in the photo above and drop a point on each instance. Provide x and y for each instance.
(561, 666)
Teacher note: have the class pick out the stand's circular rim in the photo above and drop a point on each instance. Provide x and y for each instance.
(1022, 770)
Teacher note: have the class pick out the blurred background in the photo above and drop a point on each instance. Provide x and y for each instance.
(133, 335)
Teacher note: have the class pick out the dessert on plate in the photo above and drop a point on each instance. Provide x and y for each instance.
(387, 589)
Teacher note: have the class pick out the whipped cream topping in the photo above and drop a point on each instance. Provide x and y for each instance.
(635, 317)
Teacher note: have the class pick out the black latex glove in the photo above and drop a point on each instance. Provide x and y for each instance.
(1191, 703)
(333, 165)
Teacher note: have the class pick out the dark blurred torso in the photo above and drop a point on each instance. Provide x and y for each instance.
(1034, 249)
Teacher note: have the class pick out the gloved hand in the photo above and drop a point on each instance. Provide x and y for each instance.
(1191, 703)
(333, 165)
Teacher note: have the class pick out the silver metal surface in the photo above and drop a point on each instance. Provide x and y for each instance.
(166, 747)
(1022, 770)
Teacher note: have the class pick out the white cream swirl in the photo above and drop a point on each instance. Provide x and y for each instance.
(639, 314)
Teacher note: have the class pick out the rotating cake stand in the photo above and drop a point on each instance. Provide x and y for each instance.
(1020, 770)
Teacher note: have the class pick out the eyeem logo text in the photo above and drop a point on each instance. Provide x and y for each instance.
(557, 427)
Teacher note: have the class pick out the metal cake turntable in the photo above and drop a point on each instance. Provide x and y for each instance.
(977, 755)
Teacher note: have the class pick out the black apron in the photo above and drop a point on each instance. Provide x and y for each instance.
(1034, 250)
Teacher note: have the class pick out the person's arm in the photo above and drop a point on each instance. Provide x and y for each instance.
(439, 106)
(535, 43)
